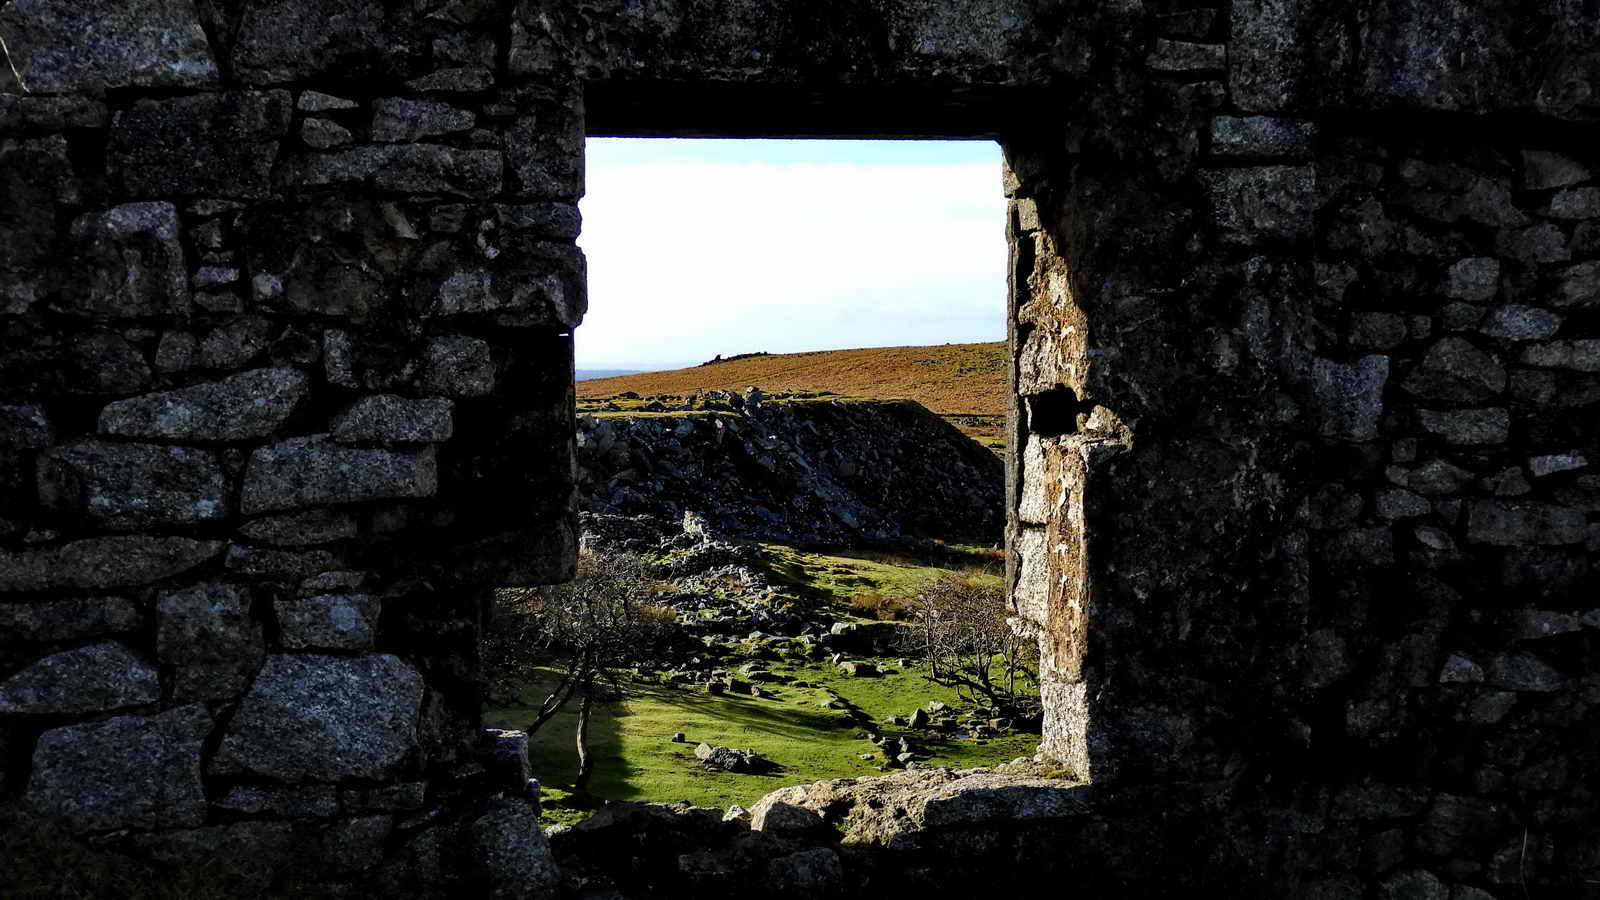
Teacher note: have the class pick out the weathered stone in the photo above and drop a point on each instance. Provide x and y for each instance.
(97, 563)
(1416, 884)
(1491, 707)
(21, 115)
(784, 819)
(130, 264)
(338, 359)
(1556, 462)
(520, 300)
(125, 487)
(1378, 801)
(1350, 396)
(1460, 670)
(1468, 426)
(1542, 170)
(1474, 279)
(392, 798)
(321, 134)
(1263, 203)
(96, 678)
(206, 623)
(315, 101)
(1182, 56)
(391, 418)
(410, 169)
(807, 872)
(352, 845)
(123, 772)
(337, 581)
(315, 471)
(64, 47)
(255, 851)
(1521, 323)
(1543, 243)
(1580, 286)
(308, 802)
(1265, 57)
(507, 850)
(461, 81)
(459, 366)
(24, 427)
(1402, 504)
(1517, 524)
(256, 562)
(324, 718)
(70, 620)
(1261, 136)
(551, 220)
(328, 621)
(1533, 624)
(1579, 203)
(505, 755)
(224, 680)
(1508, 482)
(292, 40)
(219, 144)
(1377, 331)
(240, 407)
(1454, 369)
(303, 529)
(397, 119)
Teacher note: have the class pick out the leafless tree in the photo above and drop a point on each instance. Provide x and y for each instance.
(591, 628)
(962, 632)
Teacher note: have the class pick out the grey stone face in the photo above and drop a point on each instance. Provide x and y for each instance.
(220, 144)
(241, 407)
(97, 563)
(391, 418)
(466, 80)
(71, 619)
(1474, 279)
(979, 799)
(409, 168)
(22, 114)
(1543, 169)
(62, 46)
(1518, 524)
(125, 772)
(508, 851)
(1468, 426)
(328, 621)
(124, 487)
(324, 718)
(1580, 286)
(1261, 136)
(315, 101)
(1521, 323)
(1580, 203)
(1524, 672)
(130, 264)
(313, 802)
(321, 134)
(397, 119)
(1350, 396)
(1265, 59)
(1182, 56)
(316, 526)
(459, 366)
(315, 471)
(97, 678)
(287, 40)
(517, 299)
(1455, 369)
(206, 623)
(24, 427)
(1265, 203)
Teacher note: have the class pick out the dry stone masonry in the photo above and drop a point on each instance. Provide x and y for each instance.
(1305, 314)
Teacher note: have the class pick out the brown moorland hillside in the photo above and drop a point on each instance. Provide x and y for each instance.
(964, 383)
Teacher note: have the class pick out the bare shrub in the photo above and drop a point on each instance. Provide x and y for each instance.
(962, 633)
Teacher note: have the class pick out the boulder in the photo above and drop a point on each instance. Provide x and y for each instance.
(325, 718)
(240, 407)
(123, 772)
(96, 678)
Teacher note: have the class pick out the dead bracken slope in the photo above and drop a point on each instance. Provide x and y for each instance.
(951, 380)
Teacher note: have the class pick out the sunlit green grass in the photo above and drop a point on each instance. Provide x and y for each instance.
(636, 760)
(837, 576)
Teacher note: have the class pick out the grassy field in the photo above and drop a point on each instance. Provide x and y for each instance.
(871, 581)
(965, 383)
(636, 759)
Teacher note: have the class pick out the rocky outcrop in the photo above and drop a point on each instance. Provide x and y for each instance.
(812, 471)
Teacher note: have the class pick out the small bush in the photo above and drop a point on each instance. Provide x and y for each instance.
(876, 604)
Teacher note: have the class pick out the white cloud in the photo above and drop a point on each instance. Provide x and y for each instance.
(691, 259)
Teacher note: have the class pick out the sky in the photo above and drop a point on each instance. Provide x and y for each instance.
(705, 247)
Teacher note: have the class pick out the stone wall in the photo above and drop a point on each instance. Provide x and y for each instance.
(1303, 308)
